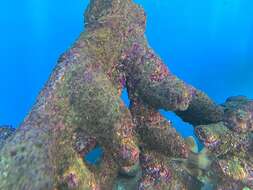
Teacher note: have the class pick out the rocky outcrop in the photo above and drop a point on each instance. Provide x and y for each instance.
(80, 108)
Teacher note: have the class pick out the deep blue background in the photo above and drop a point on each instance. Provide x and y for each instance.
(207, 43)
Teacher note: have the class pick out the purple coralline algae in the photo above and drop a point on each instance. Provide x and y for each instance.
(80, 109)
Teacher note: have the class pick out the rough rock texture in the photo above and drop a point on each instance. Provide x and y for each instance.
(80, 108)
(231, 143)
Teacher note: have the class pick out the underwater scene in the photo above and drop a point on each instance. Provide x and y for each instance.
(126, 95)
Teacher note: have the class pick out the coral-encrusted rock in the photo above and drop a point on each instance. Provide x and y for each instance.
(239, 114)
(238, 169)
(162, 173)
(234, 171)
(83, 143)
(159, 172)
(231, 143)
(233, 157)
(220, 140)
(81, 107)
(5, 132)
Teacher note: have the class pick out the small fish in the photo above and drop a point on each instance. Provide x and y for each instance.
(191, 143)
(201, 160)
(198, 163)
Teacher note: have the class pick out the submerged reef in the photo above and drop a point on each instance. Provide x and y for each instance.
(230, 142)
(80, 109)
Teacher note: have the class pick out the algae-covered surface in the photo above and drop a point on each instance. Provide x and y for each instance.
(80, 111)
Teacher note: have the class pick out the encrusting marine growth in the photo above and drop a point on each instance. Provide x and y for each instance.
(80, 109)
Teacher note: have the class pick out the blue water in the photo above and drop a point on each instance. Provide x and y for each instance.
(207, 43)
(94, 156)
